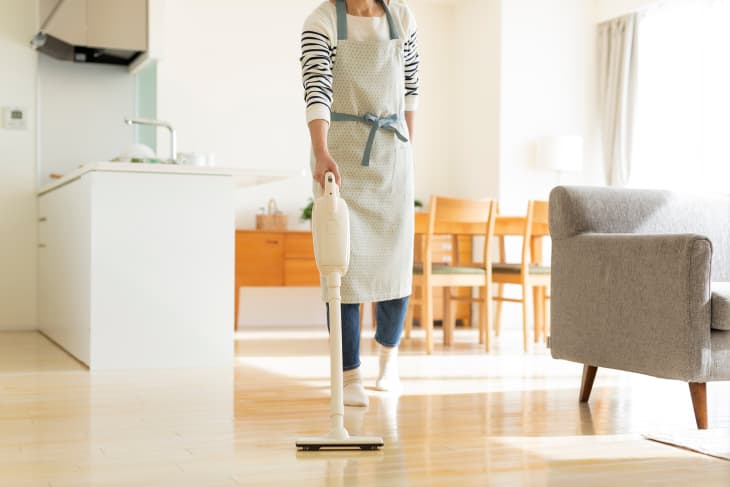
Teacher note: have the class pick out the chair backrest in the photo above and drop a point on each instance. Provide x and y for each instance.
(539, 213)
(459, 216)
(468, 216)
(533, 224)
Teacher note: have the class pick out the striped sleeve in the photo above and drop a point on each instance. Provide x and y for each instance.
(412, 64)
(317, 59)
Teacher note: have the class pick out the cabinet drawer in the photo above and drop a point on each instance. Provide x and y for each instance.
(300, 272)
(299, 246)
(259, 258)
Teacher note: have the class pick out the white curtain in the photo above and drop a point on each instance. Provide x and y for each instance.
(618, 53)
(683, 103)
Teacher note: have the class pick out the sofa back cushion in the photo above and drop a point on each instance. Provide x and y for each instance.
(577, 210)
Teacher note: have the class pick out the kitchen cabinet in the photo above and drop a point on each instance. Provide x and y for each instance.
(119, 24)
(68, 22)
(45, 7)
(135, 265)
(64, 259)
(113, 24)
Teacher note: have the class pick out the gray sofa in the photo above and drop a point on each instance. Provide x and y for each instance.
(639, 283)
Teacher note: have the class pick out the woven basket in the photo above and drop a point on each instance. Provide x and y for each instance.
(273, 220)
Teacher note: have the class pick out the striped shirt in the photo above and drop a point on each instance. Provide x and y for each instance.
(319, 52)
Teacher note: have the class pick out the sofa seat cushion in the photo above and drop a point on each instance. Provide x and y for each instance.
(721, 306)
(517, 268)
(443, 269)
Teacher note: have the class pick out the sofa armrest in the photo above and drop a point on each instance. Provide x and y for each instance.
(633, 302)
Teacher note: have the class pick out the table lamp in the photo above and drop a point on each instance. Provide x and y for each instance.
(563, 153)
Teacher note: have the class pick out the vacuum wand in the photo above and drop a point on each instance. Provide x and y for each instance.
(331, 237)
(337, 406)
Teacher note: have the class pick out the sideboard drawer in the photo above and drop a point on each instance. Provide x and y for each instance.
(299, 246)
(259, 257)
(300, 272)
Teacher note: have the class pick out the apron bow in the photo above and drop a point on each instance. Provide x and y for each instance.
(376, 123)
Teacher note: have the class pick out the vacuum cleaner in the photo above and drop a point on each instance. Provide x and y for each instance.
(331, 235)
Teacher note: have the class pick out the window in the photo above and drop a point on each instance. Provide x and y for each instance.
(682, 138)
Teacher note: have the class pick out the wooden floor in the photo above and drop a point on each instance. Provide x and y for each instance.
(464, 419)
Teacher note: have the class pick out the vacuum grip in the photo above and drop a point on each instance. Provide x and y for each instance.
(330, 185)
(331, 230)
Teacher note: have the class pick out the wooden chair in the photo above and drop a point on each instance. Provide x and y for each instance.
(454, 216)
(529, 273)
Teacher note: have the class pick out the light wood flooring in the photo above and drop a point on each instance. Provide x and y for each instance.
(464, 419)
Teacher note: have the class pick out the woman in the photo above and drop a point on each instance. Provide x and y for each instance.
(360, 74)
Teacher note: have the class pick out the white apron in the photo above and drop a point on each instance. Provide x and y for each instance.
(368, 138)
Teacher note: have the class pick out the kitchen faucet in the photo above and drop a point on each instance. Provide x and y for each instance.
(158, 123)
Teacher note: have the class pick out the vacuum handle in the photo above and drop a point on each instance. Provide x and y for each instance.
(330, 185)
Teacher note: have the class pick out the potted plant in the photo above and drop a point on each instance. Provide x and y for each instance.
(306, 214)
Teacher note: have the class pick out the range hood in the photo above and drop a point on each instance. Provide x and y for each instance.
(93, 31)
(60, 49)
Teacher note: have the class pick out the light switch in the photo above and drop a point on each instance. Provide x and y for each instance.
(15, 118)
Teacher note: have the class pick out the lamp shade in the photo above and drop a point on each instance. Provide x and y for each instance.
(562, 153)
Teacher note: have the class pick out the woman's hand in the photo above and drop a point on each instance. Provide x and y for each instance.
(324, 164)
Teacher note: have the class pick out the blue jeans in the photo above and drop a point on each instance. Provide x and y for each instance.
(390, 316)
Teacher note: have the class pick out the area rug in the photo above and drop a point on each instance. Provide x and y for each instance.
(712, 442)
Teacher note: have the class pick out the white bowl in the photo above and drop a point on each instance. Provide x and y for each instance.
(137, 151)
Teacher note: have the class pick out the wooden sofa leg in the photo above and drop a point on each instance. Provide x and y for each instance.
(699, 401)
(586, 386)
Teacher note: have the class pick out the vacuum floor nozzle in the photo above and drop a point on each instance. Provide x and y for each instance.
(352, 443)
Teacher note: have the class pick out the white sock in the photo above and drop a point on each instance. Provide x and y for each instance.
(353, 391)
(388, 379)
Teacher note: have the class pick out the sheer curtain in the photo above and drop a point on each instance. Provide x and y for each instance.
(682, 137)
(617, 59)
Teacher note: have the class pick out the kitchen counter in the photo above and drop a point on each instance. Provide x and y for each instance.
(242, 177)
(136, 263)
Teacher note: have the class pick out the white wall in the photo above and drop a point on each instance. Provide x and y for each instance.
(17, 169)
(81, 113)
(547, 80)
(475, 104)
(609, 9)
(435, 150)
(236, 90)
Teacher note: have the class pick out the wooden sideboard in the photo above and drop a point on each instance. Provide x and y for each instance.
(286, 258)
(266, 258)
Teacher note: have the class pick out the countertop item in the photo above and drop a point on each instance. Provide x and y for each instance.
(242, 177)
(137, 151)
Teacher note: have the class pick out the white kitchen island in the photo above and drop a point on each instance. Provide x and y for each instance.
(136, 263)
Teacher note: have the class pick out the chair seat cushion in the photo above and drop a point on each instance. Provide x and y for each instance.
(447, 269)
(721, 306)
(517, 268)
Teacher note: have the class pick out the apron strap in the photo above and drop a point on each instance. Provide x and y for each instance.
(386, 123)
(342, 21)
(391, 23)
